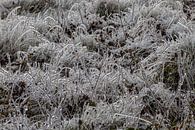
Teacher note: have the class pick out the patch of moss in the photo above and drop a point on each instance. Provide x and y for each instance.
(171, 75)
(107, 8)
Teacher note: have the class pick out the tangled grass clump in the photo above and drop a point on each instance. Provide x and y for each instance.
(97, 64)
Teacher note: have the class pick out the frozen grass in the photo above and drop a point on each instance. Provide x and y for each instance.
(97, 64)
